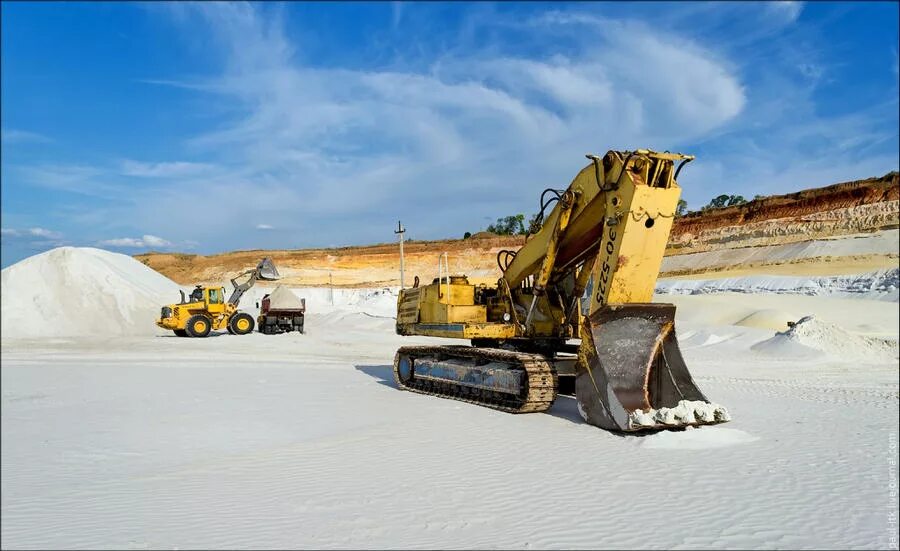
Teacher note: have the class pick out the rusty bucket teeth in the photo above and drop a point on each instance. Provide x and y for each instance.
(631, 375)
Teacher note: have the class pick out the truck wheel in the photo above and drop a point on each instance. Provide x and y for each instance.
(198, 325)
(241, 323)
(180, 332)
(228, 327)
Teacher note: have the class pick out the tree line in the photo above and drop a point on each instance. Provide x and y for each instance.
(515, 224)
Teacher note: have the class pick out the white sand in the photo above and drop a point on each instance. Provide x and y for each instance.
(72, 291)
(875, 285)
(882, 242)
(815, 335)
(283, 298)
(301, 440)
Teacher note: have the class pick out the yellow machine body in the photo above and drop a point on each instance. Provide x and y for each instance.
(630, 253)
(607, 233)
(212, 305)
(207, 309)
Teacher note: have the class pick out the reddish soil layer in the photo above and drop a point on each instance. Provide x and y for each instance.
(845, 208)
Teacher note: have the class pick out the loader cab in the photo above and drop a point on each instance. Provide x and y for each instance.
(213, 298)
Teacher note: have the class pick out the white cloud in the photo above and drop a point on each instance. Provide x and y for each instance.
(476, 132)
(31, 233)
(123, 242)
(786, 11)
(81, 179)
(315, 142)
(10, 136)
(177, 169)
(45, 233)
(137, 242)
(153, 241)
(396, 14)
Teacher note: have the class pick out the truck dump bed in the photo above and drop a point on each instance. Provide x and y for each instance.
(282, 299)
(282, 312)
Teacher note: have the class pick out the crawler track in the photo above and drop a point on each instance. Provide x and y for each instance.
(538, 393)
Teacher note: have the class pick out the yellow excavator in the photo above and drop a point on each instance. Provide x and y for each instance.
(206, 308)
(606, 234)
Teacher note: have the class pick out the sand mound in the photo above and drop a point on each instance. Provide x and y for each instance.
(379, 302)
(80, 291)
(284, 299)
(696, 439)
(823, 337)
(874, 285)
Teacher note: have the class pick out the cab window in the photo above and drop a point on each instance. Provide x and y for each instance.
(214, 296)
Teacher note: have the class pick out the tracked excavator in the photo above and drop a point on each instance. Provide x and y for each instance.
(206, 308)
(606, 233)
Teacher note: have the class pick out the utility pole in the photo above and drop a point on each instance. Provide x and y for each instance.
(400, 231)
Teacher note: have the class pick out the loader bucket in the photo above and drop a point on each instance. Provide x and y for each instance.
(631, 375)
(267, 271)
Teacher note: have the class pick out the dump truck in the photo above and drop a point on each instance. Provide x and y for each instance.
(281, 312)
(531, 337)
(206, 308)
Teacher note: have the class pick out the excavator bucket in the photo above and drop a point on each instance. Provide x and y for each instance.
(631, 375)
(267, 271)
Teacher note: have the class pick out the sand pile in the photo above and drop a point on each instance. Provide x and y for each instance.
(815, 336)
(80, 291)
(282, 298)
(380, 302)
(874, 285)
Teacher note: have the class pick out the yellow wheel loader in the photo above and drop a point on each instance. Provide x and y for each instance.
(206, 308)
(532, 335)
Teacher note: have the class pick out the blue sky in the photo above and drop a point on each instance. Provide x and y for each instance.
(213, 127)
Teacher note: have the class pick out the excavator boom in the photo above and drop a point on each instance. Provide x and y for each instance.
(607, 232)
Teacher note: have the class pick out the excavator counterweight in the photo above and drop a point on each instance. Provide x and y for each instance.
(605, 237)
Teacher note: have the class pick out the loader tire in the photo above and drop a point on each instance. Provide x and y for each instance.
(198, 325)
(241, 323)
(180, 332)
